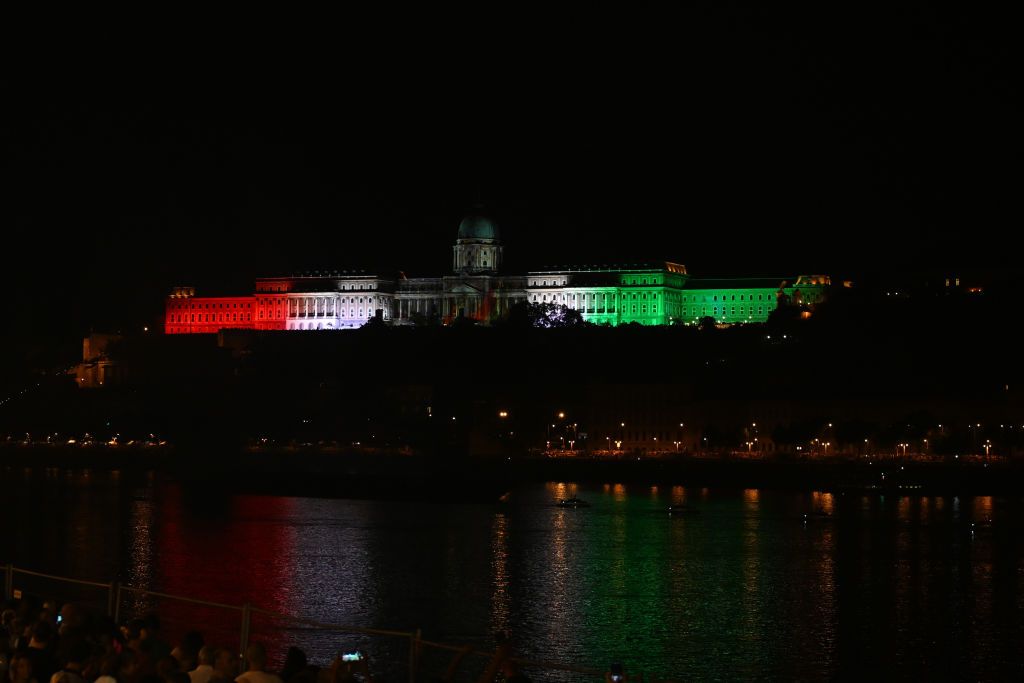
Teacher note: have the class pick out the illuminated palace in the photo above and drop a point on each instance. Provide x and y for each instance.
(649, 294)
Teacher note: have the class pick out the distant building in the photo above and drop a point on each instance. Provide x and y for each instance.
(97, 369)
(648, 294)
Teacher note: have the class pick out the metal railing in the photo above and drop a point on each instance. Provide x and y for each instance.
(116, 591)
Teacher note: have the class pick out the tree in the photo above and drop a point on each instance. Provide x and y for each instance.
(374, 323)
(546, 315)
(463, 322)
(784, 316)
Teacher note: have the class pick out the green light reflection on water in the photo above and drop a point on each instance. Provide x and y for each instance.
(659, 589)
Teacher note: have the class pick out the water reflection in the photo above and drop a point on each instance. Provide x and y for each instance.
(561, 490)
(820, 604)
(750, 589)
(823, 502)
(981, 508)
(678, 495)
(501, 597)
(619, 493)
(885, 586)
(140, 543)
(331, 561)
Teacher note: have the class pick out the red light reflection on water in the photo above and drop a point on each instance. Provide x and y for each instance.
(246, 559)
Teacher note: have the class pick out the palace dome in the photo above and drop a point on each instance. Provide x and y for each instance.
(478, 227)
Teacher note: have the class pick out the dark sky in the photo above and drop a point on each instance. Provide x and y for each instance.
(731, 138)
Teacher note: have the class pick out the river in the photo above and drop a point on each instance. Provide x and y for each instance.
(892, 586)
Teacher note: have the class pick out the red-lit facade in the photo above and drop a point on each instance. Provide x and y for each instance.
(188, 314)
(648, 294)
(271, 304)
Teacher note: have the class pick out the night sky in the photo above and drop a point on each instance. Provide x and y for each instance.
(733, 139)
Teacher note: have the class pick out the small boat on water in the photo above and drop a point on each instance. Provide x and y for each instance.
(572, 503)
(681, 510)
(816, 517)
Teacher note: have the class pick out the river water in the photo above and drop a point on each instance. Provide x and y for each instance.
(870, 585)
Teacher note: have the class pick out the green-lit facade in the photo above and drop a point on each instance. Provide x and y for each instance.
(665, 294)
(649, 294)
